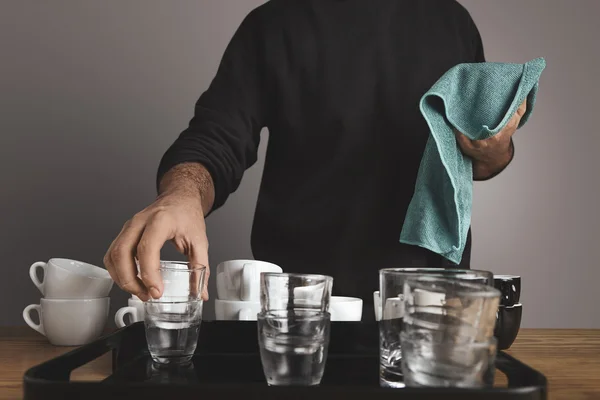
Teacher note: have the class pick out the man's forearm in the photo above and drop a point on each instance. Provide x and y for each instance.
(191, 178)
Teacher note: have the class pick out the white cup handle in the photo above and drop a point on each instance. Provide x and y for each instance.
(27, 317)
(332, 314)
(33, 274)
(250, 282)
(122, 312)
(245, 314)
(377, 305)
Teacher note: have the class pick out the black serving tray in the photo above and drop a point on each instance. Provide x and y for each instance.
(227, 365)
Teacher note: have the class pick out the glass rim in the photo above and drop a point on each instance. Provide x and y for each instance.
(157, 301)
(483, 344)
(458, 271)
(166, 266)
(296, 275)
(314, 315)
(479, 289)
(506, 277)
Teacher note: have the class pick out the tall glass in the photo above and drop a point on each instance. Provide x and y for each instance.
(391, 290)
(282, 291)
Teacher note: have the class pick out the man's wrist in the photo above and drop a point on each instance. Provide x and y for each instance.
(189, 179)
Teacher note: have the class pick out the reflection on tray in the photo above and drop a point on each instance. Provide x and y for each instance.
(242, 368)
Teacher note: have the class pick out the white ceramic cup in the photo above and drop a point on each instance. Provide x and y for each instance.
(71, 279)
(345, 308)
(135, 309)
(236, 310)
(240, 279)
(69, 322)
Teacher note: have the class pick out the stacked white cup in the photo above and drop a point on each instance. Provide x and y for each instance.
(238, 289)
(134, 311)
(238, 293)
(238, 296)
(75, 303)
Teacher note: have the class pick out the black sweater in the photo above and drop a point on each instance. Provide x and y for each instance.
(337, 83)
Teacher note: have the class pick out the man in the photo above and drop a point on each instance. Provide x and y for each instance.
(337, 83)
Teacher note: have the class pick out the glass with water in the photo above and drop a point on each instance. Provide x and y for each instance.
(293, 346)
(173, 321)
(172, 329)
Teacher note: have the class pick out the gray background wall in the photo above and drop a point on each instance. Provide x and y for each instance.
(93, 92)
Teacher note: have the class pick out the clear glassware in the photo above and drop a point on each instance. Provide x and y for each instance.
(391, 292)
(283, 291)
(435, 361)
(293, 346)
(172, 329)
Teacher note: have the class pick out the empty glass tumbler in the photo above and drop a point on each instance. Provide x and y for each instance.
(283, 291)
(462, 310)
(391, 288)
(438, 361)
(293, 346)
(447, 338)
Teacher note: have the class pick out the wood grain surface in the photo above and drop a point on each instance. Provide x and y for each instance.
(570, 359)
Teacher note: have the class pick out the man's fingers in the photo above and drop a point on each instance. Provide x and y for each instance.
(120, 263)
(516, 119)
(464, 142)
(158, 230)
(198, 258)
(205, 286)
(522, 109)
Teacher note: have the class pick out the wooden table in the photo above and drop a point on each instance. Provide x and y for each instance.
(570, 359)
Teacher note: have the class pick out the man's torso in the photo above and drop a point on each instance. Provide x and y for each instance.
(343, 80)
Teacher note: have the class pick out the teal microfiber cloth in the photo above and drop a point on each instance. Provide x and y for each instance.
(478, 100)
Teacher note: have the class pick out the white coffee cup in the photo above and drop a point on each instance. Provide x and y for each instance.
(345, 308)
(240, 279)
(71, 279)
(235, 310)
(69, 322)
(135, 309)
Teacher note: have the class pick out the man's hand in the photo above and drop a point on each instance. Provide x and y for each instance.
(492, 155)
(176, 215)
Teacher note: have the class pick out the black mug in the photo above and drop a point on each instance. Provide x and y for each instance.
(510, 287)
(510, 311)
(508, 322)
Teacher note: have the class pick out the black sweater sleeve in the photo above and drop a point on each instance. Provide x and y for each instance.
(224, 132)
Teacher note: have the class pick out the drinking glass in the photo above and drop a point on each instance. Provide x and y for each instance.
(282, 291)
(182, 280)
(391, 289)
(438, 361)
(293, 346)
(172, 328)
(457, 310)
